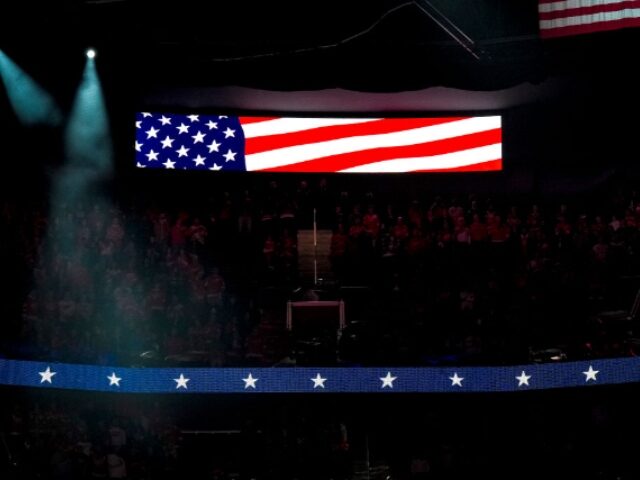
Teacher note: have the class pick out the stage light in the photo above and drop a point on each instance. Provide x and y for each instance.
(91, 53)
(32, 104)
(87, 138)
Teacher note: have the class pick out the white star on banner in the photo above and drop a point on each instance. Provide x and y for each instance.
(250, 381)
(169, 164)
(456, 380)
(138, 123)
(212, 125)
(591, 374)
(183, 128)
(114, 380)
(139, 165)
(181, 382)
(138, 146)
(194, 118)
(523, 379)
(47, 375)
(229, 133)
(146, 114)
(165, 120)
(151, 155)
(318, 381)
(215, 167)
(388, 380)
(199, 160)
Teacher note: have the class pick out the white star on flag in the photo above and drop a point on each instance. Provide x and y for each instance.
(47, 375)
(194, 118)
(114, 380)
(182, 151)
(165, 120)
(198, 137)
(183, 128)
(216, 167)
(211, 124)
(139, 124)
(230, 156)
(152, 132)
(151, 155)
(318, 381)
(456, 380)
(169, 164)
(199, 160)
(146, 114)
(591, 374)
(138, 146)
(181, 382)
(214, 146)
(523, 379)
(167, 142)
(250, 381)
(229, 133)
(388, 380)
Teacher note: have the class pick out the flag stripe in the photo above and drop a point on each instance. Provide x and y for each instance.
(590, 19)
(291, 125)
(590, 28)
(435, 162)
(490, 166)
(590, 10)
(322, 134)
(438, 147)
(249, 120)
(572, 17)
(551, 5)
(302, 153)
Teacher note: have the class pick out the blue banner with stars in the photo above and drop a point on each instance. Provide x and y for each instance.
(305, 379)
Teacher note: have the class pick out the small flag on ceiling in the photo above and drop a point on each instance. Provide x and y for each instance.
(574, 17)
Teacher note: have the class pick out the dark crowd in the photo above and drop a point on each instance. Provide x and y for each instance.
(582, 433)
(426, 278)
(464, 275)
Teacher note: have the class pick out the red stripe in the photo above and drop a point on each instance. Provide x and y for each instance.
(490, 166)
(335, 163)
(323, 134)
(574, 12)
(248, 120)
(590, 28)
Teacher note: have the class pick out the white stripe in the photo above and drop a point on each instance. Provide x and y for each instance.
(289, 125)
(435, 162)
(564, 5)
(415, 136)
(589, 19)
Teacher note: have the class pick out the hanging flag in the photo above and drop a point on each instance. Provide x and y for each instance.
(293, 144)
(574, 17)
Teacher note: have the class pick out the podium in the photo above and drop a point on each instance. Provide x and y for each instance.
(315, 328)
(316, 315)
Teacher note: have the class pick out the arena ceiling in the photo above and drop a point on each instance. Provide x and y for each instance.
(376, 55)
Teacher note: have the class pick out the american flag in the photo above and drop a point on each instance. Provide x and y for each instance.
(295, 144)
(573, 17)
